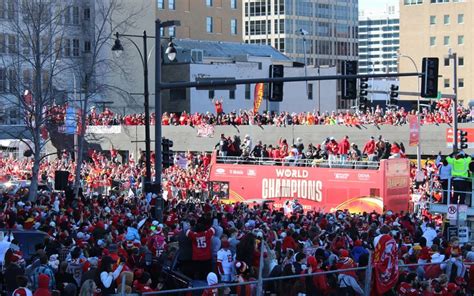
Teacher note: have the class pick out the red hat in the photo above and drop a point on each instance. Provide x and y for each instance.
(22, 292)
(343, 253)
(358, 243)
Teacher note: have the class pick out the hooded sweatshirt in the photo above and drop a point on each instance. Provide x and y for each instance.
(43, 286)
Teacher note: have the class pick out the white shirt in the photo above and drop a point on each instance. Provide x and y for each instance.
(107, 277)
(226, 259)
(430, 234)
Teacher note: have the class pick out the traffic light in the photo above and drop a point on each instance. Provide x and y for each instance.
(429, 79)
(349, 86)
(463, 139)
(166, 153)
(276, 89)
(363, 86)
(393, 94)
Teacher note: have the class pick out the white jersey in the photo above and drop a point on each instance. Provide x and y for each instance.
(227, 261)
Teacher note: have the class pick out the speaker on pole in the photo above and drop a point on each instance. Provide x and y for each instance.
(61, 180)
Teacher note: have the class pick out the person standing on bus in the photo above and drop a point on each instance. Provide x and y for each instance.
(369, 149)
(344, 147)
(332, 149)
(460, 175)
(444, 169)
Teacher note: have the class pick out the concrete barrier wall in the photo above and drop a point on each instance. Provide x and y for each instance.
(433, 138)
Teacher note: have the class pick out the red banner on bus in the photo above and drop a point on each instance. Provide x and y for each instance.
(317, 188)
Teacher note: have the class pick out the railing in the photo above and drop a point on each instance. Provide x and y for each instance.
(336, 162)
(261, 287)
(448, 194)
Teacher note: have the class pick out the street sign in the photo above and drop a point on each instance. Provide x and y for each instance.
(452, 232)
(463, 234)
(462, 212)
(452, 212)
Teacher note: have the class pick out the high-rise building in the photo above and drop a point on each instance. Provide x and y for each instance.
(379, 40)
(326, 29)
(217, 20)
(430, 28)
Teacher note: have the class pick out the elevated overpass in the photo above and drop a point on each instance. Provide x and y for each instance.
(130, 138)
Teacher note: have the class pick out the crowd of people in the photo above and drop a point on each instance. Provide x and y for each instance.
(376, 116)
(110, 235)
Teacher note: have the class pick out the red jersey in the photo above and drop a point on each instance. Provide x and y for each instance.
(369, 147)
(218, 106)
(344, 146)
(201, 244)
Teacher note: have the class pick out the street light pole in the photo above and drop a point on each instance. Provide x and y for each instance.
(158, 86)
(119, 48)
(418, 146)
(304, 33)
(454, 56)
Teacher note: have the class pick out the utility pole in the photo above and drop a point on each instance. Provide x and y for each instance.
(454, 56)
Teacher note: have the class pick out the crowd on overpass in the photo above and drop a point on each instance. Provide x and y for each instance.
(107, 236)
(376, 116)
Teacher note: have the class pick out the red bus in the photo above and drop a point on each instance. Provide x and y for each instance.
(317, 185)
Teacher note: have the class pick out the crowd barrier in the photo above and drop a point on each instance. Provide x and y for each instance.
(260, 286)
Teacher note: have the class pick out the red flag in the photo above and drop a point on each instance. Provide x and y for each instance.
(257, 96)
(414, 130)
(385, 264)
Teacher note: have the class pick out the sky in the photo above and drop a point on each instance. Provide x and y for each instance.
(375, 4)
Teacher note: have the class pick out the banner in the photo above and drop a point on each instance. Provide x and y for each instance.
(358, 190)
(257, 96)
(414, 130)
(385, 264)
(205, 130)
(103, 129)
(71, 121)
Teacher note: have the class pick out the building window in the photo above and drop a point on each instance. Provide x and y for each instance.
(233, 4)
(209, 3)
(461, 82)
(432, 19)
(233, 26)
(75, 47)
(446, 40)
(247, 91)
(446, 82)
(13, 81)
(310, 91)
(432, 41)
(461, 18)
(232, 94)
(87, 46)
(87, 14)
(171, 5)
(172, 31)
(160, 4)
(461, 39)
(3, 80)
(446, 62)
(460, 61)
(75, 15)
(209, 24)
(12, 44)
(211, 94)
(413, 2)
(446, 19)
(67, 47)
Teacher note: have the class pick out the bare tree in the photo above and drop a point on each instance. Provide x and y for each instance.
(32, 63)
(43, 54)
(110, 16)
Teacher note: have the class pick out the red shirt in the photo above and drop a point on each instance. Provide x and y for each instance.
(344, 146)
(201, 244)
(218, 106)
(369, 147)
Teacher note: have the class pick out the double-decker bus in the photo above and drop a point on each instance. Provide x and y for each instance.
(317, 185)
